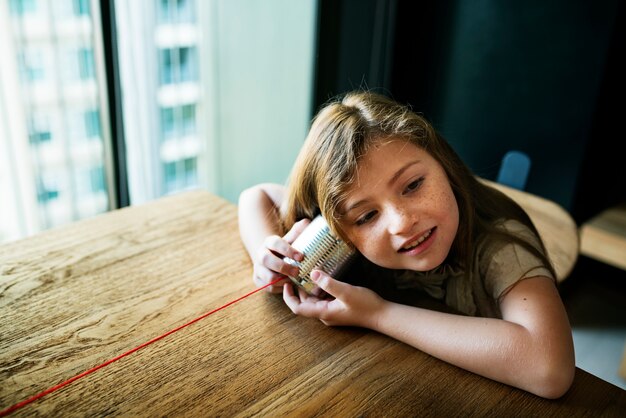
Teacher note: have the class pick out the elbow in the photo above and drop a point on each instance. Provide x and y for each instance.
(554, 381)
(247, 193)
(254, 193)
(552, 367)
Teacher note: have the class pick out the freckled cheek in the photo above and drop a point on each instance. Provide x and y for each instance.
(371, 246)
(443, 202)
(448, 212)
(359, 242)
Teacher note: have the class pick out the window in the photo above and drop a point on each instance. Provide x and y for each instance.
(189, 171)
(23, 7)
(175, 11)
(207, 89)
(177, 122)
(92, 123)
(39, 129)
(46, 195)
(50, 174)
(46, 191)
(86, 64)
(31, 65)
(188, 120)
(178, 65)
(80, 7)
(180, 174)
(37, 137)
(96, 176)
(227, 88)
(167, 123)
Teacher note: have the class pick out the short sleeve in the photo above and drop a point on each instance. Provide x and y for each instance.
(504, 264)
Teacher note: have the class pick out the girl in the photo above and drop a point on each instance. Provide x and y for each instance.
(395, 190)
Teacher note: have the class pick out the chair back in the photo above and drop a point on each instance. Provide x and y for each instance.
(514, 170)
(557, 228)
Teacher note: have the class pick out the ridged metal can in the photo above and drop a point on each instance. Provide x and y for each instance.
(322, 251)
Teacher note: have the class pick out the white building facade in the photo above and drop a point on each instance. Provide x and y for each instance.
(215, 94)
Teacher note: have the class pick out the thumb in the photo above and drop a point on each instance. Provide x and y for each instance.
(333, 287)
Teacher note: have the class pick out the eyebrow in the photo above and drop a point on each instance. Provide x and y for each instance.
(391, 181)
(402, 170)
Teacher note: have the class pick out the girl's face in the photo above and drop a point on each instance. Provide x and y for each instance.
(400, 213)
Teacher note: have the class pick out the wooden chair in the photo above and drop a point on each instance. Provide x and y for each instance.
(603, 237)
(556, 227)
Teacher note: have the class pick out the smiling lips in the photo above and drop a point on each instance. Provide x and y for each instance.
(418, 241)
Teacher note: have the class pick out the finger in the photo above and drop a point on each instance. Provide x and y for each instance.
(290, 298)
(282, 247)
(274, 288)
(333, 287)
(306, 297)
(303, 295)
(265, 274)
(296, 230)
(276, 264)
(304, 305)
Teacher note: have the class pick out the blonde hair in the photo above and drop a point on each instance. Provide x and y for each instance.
(341, 134)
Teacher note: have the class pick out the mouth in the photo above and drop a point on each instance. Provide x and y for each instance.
(417, 241)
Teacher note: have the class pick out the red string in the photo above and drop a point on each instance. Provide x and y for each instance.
(129, 352)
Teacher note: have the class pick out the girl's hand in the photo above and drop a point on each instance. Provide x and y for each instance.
(269, 264)
(352, 305)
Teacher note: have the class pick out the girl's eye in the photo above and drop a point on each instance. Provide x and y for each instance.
(414, 185)
(365, 218)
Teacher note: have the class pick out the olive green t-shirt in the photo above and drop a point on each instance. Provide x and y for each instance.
(498, 266)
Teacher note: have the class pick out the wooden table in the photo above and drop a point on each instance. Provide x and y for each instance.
(74, 297)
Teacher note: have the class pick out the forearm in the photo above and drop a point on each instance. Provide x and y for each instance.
(259, 217)
(500, 350)
(530, 348)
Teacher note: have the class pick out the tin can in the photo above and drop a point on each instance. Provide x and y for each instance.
(323, 251)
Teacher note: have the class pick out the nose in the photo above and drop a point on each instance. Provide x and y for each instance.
(400, 221)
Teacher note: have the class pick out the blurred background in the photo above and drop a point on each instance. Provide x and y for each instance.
(105, 104)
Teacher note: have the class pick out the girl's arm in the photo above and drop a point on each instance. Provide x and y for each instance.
(259, 214)
(262, 235)
(530, 348)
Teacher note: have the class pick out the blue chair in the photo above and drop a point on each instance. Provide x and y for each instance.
(514, 170)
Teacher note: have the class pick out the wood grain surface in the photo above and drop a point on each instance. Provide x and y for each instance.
(604, 237)
(77, 296)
